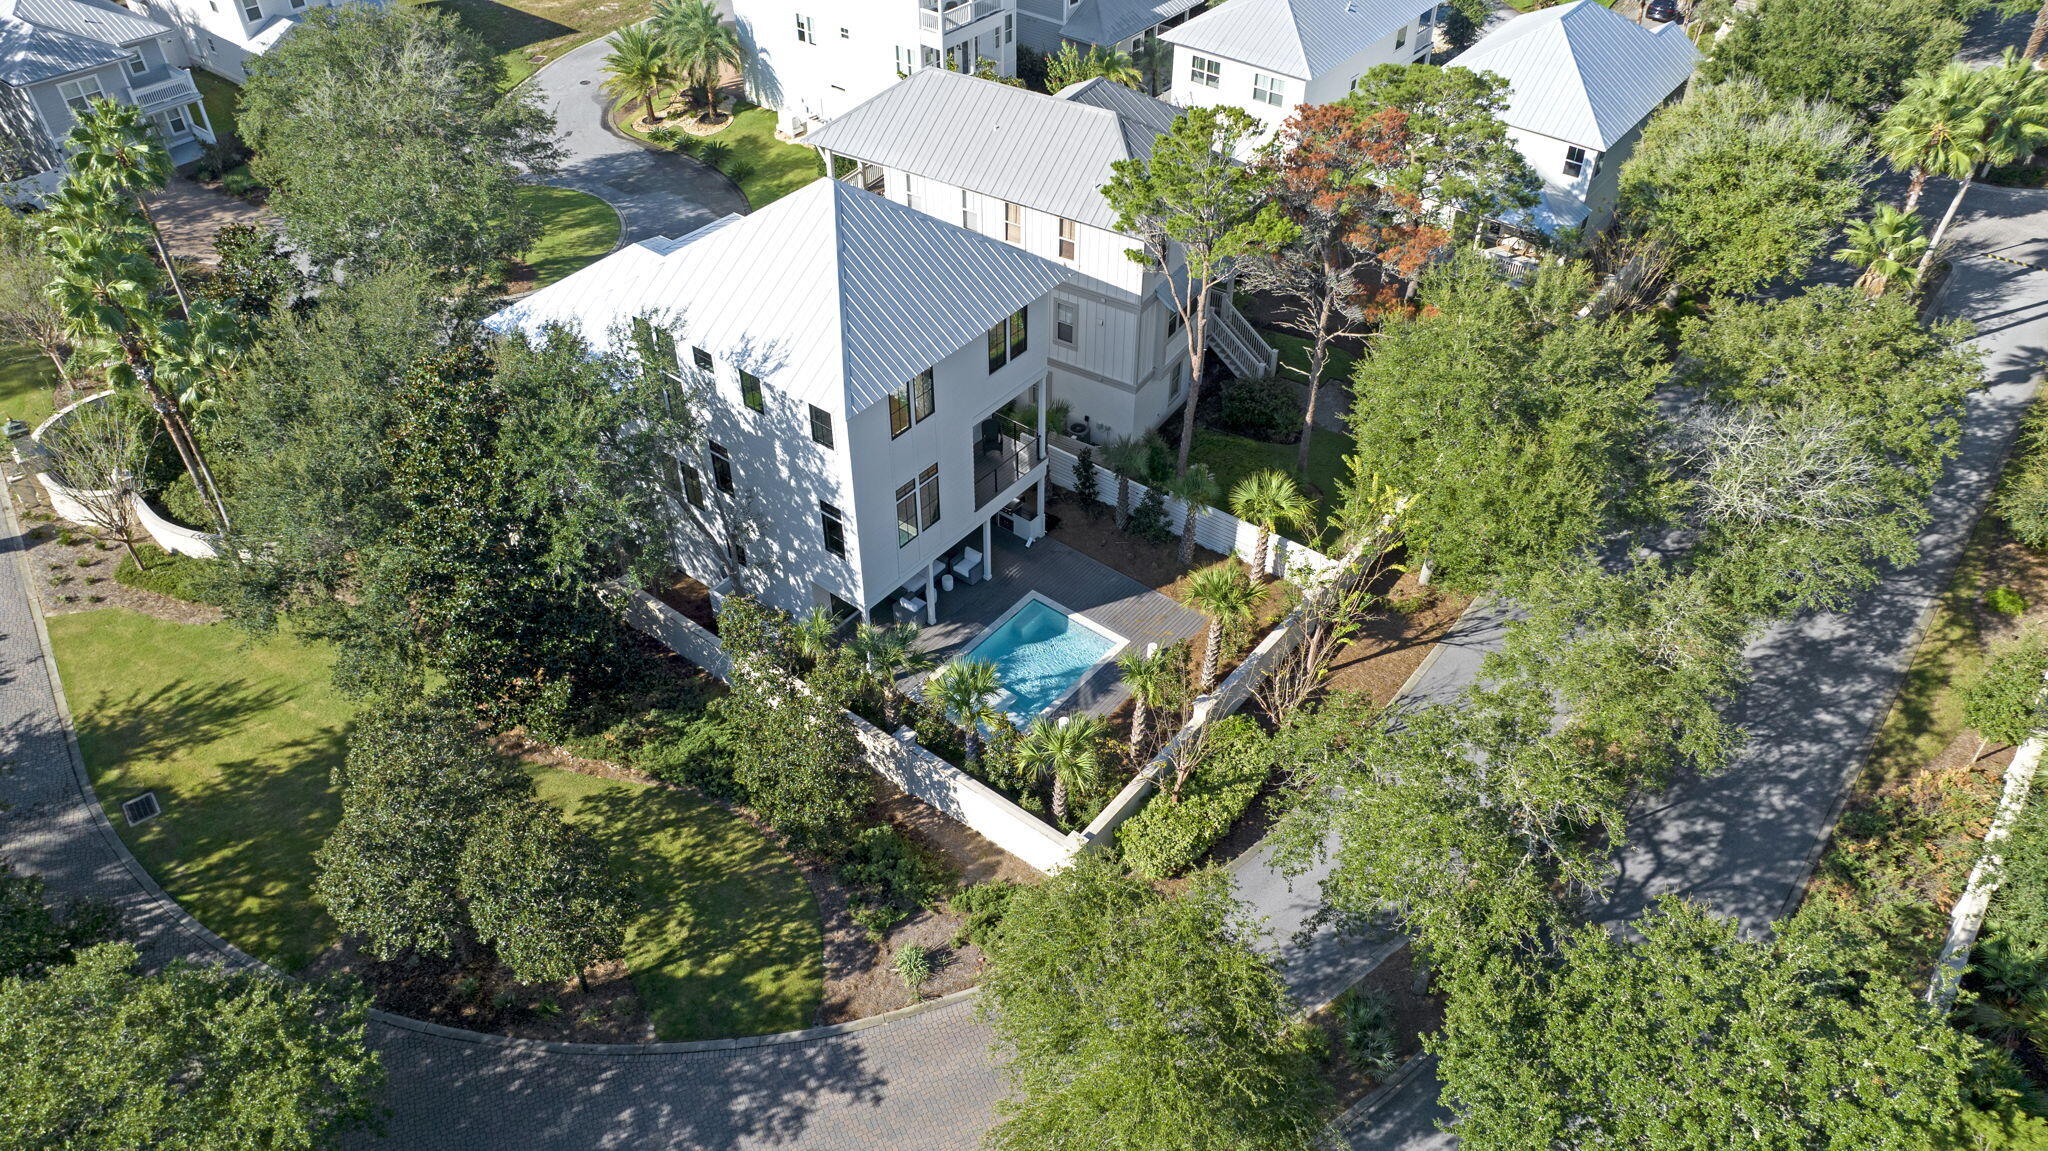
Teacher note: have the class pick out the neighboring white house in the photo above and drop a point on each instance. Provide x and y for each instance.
(1028, 169)
(222, 34)
(57, 55)
(875, 379)
(1268, 56)
(813, 59)
(1583, 80)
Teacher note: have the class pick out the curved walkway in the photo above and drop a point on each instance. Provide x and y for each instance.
(656, 193)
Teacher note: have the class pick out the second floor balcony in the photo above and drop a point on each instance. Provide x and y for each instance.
(947, 15)
(1005, 451)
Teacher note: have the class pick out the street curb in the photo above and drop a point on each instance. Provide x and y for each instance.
(1380, 1095)
(1436, 650)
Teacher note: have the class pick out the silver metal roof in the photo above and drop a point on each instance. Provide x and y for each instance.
(87, 19)
(831, 295)
(1051, 153)
(1108, 21)
(1582, 73)
(1301, 39)
(29, 54)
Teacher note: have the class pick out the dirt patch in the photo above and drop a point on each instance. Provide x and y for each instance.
(1415, 1014)
(1392, 644)
(1093, 533)
(72, 569)
(689, 597)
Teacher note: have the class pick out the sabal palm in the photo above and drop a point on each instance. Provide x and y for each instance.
(1149, 678)
(1128, 457)
(962, 689)
(1886, 247)
(703, 46)
(888, 652)
(1221, 593)
(1067, 752)
(2013, 112)
(813, 635)
(1197, 488)
(640, 64)
(1269, 501)
(1929, 131)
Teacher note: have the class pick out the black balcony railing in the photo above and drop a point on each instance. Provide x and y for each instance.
(1004, 452)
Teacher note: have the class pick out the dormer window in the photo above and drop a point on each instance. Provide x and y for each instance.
(137, 65)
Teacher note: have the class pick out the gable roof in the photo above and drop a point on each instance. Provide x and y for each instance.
(86, 19)
(831, 294)
(1582, 73)
(1050, 153)
(1297, 38)
(1108, 21)
(46, 39)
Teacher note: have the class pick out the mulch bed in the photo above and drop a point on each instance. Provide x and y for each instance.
(691, 598)
(1415, 1015)
(72, 569)
(472, 990)
(1394, 643)
(1093, 533)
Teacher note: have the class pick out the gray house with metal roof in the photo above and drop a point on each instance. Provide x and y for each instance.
(1118, 25)
(56, 56)
(1027, 168)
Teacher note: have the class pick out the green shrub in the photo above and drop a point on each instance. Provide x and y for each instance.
(686, 748)
(980, 908)
(180, 577)
(1368, 1024)
(913, 964)
(877, 920)
(2005, 601)
(1264, 409)
(1166, 838)
(1087, 486)
(1149, 521)
(239, 182)
(893, 870)
(2022, 500)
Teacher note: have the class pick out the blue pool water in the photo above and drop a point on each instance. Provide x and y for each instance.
(1040, 654)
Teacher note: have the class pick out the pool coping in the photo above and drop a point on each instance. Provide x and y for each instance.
(1118, 642)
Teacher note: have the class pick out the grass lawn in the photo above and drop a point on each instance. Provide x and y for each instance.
(237, 742)
(765, 168)
(577, 229)
(727, 941)
(1233, 458)
(518, 32)
(219, 97)
(27, 385)
(1294, 358)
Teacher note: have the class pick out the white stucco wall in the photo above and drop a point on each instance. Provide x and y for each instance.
(859, 49)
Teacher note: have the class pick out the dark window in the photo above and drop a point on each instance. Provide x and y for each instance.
(821, 425)
(835, 530)
(923, 399)
(750, 390)
(702, 357)
(917, 505)
(928, 496)
(1574, 161)
(1173, 321)
(693, 485)
(721, 467)
(899, 411)
(906, 513)
(1065, 319)
(1006, 340)
(739, 554)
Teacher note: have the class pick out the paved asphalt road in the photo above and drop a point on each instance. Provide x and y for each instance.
(656, 193)
(1744, 841)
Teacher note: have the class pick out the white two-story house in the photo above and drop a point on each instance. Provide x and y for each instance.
(1027, 169)
(1269, 56)
(56, 56)
(222, 35)
(1582, 81)
(811, 60)
(874, 380)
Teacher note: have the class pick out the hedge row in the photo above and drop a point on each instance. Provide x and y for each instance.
(1166, 838)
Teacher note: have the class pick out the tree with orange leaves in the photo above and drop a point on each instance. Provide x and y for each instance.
(1354, 240)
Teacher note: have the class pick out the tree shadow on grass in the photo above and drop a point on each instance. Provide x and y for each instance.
(728, 941)
(234, 844)
(501, 26)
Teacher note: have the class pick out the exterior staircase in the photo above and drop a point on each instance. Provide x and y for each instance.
(1238, 344)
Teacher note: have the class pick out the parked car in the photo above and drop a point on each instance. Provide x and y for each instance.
(1662, 11)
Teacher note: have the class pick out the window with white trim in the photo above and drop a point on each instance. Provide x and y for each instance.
(721, 467)
(1007, 340)
(1068, 236)
(1574, 161)
(969, 218)
(821, 426)
(913, 403)
(1204, 71)
(80, 93)
(693, 485)
(1013, 223)
(806, 32)
(1066, 321)
(1401, 38)
(832, 527)
(252, 11)
(905, 61)
(137, 64)
(1269, 89)
(917, 505)
(909, 191)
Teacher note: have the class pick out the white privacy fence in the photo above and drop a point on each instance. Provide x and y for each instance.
(1215, 529)
(74, 505)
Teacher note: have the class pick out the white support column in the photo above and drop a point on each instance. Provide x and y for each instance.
(931, 596)
(1042, 512)
(988, 549)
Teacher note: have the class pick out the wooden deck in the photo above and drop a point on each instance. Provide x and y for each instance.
(1075, 582)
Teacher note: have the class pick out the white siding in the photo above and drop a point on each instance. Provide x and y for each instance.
(812, 80)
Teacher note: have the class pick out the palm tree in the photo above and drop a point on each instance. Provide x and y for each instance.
(1154, 58)
(1219, 592)
(962, 689)
(1068, 752)
(2013, 113)
(703, 46)
(1927, 132)
(2037, 36)
(1128, 457)
(120, 152)
(888, 652)
(1886, 247)
(813, 636)
(1070, 66)
(639, 64)
(1197, 489)
(1148, 676)
(1269, 501)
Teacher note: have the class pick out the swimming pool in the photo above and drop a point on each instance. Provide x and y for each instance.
(1042, 652)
